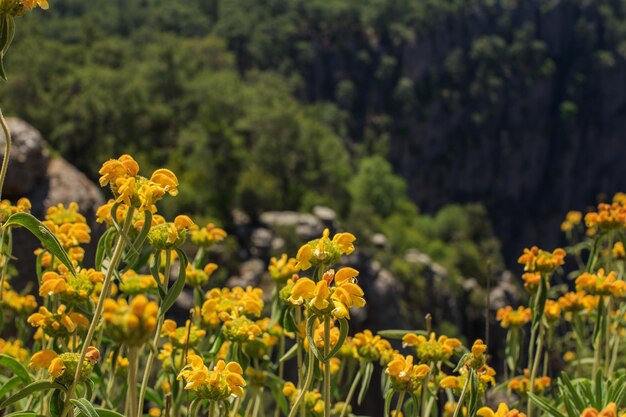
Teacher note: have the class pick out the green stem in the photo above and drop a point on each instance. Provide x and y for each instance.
(155, 340)
(326, 366)
(459, 404)
(607, 339)
(399, 405)
(598, 347)
(533, 371)
(355, 383)
(5, 257)
(132, 379)
(425, 390)
(281, 366)
(307, 382)
(7, 151)
(106, 286)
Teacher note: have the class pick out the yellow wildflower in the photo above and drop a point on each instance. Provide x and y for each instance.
(324, 251)
(282, 269)
(572, 219)
(371, 348)
(502, 411)
(404, 376)
(432, 349)
(513, 318)
(207, 235)
(537, 260)
(601, 283)
(182, 336)
(58, 324)
(132, 323)
(62, 368)
(224, 380)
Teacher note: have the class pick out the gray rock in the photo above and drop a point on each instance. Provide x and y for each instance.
(415, 256)
(326, 215)
(28, 160)
(379, 240)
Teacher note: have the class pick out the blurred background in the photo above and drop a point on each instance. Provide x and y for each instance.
(446, 134)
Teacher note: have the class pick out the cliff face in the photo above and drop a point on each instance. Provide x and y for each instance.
(519, 104)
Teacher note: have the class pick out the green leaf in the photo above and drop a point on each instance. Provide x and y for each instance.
(24, 414)
(290, 353)
(29, 389)
(103, 244)
(102, 412)
(571, 392)
(177, 288)
(155, 267)
(399, 333)
(45, 236)
(545, 405)
(388, 398)
(56, 404)
(9, 385)
(310, 331)
(368, 371)
(155, 397)
(343, 332)
(15, 366)
(85, 407)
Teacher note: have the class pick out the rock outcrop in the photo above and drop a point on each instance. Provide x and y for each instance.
(46, 181)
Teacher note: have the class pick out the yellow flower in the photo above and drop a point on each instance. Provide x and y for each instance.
(531, 281)
(618, 251)
(134, 190)
(432, 349)
(607, 217)
(62, 368)
(133, 283)
(282, 269)
(20, 304)
(609, 411)
(521, 384)
(198, 277)
(537, 260)
(31, 4)
(79, 287)
(371, 348)
(182, 336)
(324, 251)
(552, 310)
(207, 236)
(451, 382)
(222, 304)
(572, 219)
(404, 376)
(503, 411)
(132, 323)
(224, 380)
(240, 329)
(601, 283)
(170, 235)
(14, 349)
(513, 318)
(58, 324)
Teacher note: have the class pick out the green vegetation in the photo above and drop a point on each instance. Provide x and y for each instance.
(265, 105)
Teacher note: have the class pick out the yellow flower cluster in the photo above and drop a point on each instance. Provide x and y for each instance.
(196, 278)
(72, 287)
(170, 235)
(132, 189)
(223, 303)
(131, 324)
(502, 411)
(259, 347)
(224, 380)
(552, 310)
(609, 411)
(241, 329)
(537, 260)
(132, 283)
(578, 301)
(325, 251)
(601, 283)
(432, 349)
(181, 337)
(513, 318)
(313, 403)
(607, 217)
(14, 349)
(62, 368)
(404, 375)
(323, 298)
(572, 219)
(19, 304)
(521, 384)
(373, 348)
(207, 236)
(68, 225)
(6, 208)
(59, 323)
(282, 269)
